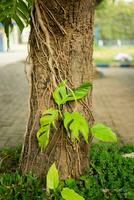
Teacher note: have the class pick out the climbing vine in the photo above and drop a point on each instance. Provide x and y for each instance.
(74, 123)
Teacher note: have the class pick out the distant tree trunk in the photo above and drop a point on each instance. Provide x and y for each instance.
(61, 42)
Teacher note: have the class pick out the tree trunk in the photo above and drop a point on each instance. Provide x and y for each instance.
(61, 41)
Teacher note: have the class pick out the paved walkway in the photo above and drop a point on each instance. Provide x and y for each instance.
(13, 104)
(113, 102)
(17, 53)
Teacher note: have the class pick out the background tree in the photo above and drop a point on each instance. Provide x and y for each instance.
(61, 40)
(115, 20)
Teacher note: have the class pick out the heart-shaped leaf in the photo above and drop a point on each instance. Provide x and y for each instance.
(52, 177)
(62, 93)
(75, 124)
(48, 117)
(43, 137)
(46, 121)
(69, 194)
(79, 92)
(104, 133)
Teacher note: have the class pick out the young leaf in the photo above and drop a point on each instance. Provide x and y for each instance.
(60, 93)
(75, 123)
(104, 133)
(69, 194)
(46, 121)
(79, 92)
(52, 177)
(43, 137)
(48, 117)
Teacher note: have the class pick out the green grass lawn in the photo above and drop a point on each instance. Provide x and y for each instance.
(107, 54)
(110, 176)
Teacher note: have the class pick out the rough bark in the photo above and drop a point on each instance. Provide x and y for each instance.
(61, 41)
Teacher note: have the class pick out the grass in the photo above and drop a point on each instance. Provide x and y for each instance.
(110, 176)
(107, 54)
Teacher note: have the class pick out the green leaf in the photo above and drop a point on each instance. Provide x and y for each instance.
(22, 15)
(104, 133)
(70, 182)
(43, 137)
(19, 22)
(6, 3)
(30, 2)
(52, 177)
(6, 24)
(79, 92)
(69, 194)
(22, 6)
(75, 124)
(48, 117)
(62, 93)
(17, 10)
(46, 121)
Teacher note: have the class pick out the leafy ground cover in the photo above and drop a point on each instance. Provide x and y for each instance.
(110, 176)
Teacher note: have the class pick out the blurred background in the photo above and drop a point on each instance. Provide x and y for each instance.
(113, 59)
(114, 33)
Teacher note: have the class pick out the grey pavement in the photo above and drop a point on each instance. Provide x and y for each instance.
(17, 53)
(113, 102)
(13, 104)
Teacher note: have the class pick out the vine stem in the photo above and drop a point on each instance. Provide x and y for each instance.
(60, 112)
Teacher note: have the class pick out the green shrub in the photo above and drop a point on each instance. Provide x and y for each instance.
(110, 176)
(9, 159)
(14, 186)
(112, 172)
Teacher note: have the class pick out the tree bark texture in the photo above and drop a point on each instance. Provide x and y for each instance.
(61, 41)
